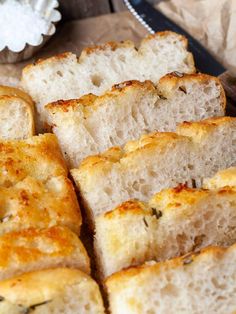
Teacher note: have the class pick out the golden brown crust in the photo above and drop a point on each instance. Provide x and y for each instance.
(59, 56)
(29, 246)
(226, 177)
(172, 80)
(40, 286)
(197, 130)
(38, 156)
(36, 204)
(132, 206)
(168, 200)
(16, 92)
(109, 46)
(125, 275)
(93, 101)
(5, 101)
(166, 34)
(147, 142)
(165, 88)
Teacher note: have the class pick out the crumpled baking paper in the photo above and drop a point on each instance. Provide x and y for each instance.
(212, 22)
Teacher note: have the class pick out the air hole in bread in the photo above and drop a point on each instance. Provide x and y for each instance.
(96, 80)
(122, 58)
(170, 289)
(208, 90)
(120, 134)
(59, 73)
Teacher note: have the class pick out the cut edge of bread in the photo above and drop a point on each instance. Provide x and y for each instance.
(18, 127)
(185, 131)
(113, 246)
(164, 88)
(113, 282)
(110, 46)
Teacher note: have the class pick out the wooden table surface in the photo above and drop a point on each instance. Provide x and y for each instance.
(77, 9)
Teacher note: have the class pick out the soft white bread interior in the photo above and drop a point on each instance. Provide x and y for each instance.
(16, 118)
(204, 283)
(35, 249)
(92, 124)
(154, 162)
(174, 222)
(39, 157)
(60, 290)
(100, 67)
(33, 203)
(226, 177)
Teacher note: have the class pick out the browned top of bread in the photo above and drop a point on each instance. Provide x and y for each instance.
(38, 156)
(33, 203)
(187, 131)
(107, 46)
(165, 87)
(35, 248)
(115, 281)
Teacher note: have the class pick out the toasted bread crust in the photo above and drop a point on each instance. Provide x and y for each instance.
(34, 248)
(165, 87)
(115, 281)
(41, 287)
(110, 46)
(37, 204)
(5, 100)
(39, 157)
(185, 132)
(226, 177)
(16, 92)
(168, 200)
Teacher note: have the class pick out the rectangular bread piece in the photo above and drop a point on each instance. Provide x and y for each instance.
(16, 118)
(60, 290)
(99, 68)
(36, 249)
(155, 162)
(92, 124)
(16, 114)
(39, 157)
(174, 222)
(203, 283)
(33, 203)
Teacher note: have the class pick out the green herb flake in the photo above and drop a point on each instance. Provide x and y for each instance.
(157, 213)
(145, 222)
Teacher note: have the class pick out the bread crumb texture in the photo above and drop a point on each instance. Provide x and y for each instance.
(200, 283)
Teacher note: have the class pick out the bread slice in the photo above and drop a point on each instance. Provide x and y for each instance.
(33, 203)
(154, 162)
(39, 157)
(16, 114)
(203, 283)
(100, 67)
(174, 222)
(16, 92)
(59, 290)
(226, 177)
(16, 118)
(91, 124)
(35, 249)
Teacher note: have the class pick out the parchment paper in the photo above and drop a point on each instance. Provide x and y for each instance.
(213, 22)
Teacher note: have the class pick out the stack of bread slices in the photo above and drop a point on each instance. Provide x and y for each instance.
(145, 140)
